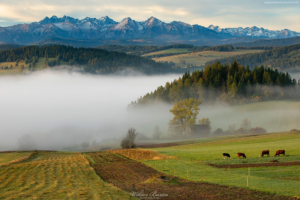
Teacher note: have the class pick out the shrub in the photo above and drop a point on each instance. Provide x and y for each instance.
(128, 141)
(257, 130)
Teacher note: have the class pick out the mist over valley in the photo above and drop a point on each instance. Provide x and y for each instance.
(56, 109)
(149, 100)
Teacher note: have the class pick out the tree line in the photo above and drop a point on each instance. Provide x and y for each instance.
(226, 83)
(8, 46)
(269, 43)
(141, 50)
(94, 60)
(287, 57)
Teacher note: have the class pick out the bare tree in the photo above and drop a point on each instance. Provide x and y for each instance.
(232, 128)
(246, 124)
(157, 133)
(128, 141)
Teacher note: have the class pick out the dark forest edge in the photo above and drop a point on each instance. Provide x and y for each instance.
(92, 60)
(287, 57)
(142, 50)
(224, 83)
(8, 46)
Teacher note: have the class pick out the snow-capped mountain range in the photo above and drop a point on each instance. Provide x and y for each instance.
(255, 32)
(106, 28)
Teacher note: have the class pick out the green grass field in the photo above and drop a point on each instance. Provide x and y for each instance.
(169, 51)
(7, 157)
(200, 58)
(55, 175)
(193, 158)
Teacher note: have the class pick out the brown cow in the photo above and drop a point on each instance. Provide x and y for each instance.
(265, 152)
(241, 154)
(280, 152)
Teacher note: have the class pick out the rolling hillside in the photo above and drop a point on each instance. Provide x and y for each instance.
(89, 59)
(194, 161)
(281, 58)
(269, 42)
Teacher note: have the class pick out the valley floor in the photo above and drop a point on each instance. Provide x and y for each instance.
(195, 160)
(183, 171)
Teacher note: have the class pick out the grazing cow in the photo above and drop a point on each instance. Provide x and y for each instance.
(226, 155)
(280, 152)
(265, 152)
(241, 154)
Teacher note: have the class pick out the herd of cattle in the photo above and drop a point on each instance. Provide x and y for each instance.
(265, 152)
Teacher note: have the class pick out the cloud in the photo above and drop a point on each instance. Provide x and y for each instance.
(230, 13)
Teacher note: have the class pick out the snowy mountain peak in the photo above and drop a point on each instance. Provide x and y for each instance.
(105, 27)
(152, 21)
(254, 31)
(126, 20)
(126, 23)
(106, 20)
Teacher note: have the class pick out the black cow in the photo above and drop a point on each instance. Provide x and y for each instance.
(226, 155)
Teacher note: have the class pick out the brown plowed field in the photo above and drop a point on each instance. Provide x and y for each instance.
(135, 177)
(257, 165)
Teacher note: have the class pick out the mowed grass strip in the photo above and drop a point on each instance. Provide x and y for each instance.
(193, 158)
(55, 176)
(8, 157)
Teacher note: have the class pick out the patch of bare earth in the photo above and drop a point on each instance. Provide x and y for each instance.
(273, 164)
(145, 182)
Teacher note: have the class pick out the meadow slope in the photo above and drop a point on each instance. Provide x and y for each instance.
(193, 160)
(200, 58)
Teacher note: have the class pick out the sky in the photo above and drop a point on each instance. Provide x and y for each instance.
(269, 14)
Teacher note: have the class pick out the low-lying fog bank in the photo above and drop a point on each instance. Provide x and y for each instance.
(58, 109)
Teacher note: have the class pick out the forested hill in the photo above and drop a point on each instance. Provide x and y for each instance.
(224, 83)
(287, 57)
(91, 59)
(140, 50)
(269, 42)
(8, 46)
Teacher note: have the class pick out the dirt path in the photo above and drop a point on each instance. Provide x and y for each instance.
(144, 181)
(258, 165)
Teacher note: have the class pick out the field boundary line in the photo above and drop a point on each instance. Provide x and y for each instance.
(19, 159)
(257, 165)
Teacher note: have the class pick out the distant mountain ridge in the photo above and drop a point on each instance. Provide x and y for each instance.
(255, 32)
(269, 42)
(106, 28)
